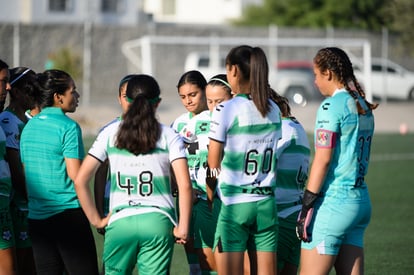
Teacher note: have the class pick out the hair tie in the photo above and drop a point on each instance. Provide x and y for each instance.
(20, 76)
(151, 100)
(220, 80)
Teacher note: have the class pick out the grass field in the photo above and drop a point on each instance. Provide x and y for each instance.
(389, 244)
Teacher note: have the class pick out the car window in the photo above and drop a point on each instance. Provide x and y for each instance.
(204, 62)
(378, 68)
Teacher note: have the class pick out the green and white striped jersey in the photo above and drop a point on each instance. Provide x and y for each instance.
(293, 153)
(195, 135)
(139, 184)
(248, 167)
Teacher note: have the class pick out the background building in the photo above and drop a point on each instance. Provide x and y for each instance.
(122, 12)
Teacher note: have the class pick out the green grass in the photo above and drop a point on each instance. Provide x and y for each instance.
(389, 244)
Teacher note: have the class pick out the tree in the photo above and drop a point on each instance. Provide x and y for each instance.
(401, 17)
(373, 15)
(365, 14)
(67, 60)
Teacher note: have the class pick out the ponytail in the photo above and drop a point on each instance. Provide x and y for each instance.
(259, 79)
(140, 130)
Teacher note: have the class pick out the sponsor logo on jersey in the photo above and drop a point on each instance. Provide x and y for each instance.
(325, 138)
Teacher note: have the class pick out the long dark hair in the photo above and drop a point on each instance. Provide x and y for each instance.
(140, 130)
(282, 102)
(23, 79)
(193, 77)
(51, 82)
(337, 61)
(254, 69)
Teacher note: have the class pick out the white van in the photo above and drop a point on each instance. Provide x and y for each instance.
(392, 81)
(202, 62)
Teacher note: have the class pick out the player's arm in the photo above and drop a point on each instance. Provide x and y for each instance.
(87, 169)
(319, 169)
(185, 192)
(215, 150)
(16, 171)
(324, 145)
(72, 167)
(101, 178)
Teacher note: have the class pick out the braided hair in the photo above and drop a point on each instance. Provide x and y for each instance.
(337, 61)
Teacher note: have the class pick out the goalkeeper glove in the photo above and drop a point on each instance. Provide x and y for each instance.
(305, 216)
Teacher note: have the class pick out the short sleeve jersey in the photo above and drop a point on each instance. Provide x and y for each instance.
(12, 127)
(338, 116)
(248, 167)
(293, 153)
(141, 183)
(181, 121)
(47, 140)
(195, 135)
(5, 180)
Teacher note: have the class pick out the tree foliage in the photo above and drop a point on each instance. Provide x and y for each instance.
(401, 14)
(372, 15)
(365, 14)
(67, 60)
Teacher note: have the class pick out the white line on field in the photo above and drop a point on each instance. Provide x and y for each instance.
(390, 157)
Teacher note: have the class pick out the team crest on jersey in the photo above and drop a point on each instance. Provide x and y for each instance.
(7, 235)
(325, 138)
(23, 235)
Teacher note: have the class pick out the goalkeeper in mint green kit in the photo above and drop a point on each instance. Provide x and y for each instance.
(336, 206)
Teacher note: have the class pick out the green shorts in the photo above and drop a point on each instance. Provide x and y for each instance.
(288, 246)
(251, 225)
(6, 224)
(20, 226)
(205, 222)
(143, 238)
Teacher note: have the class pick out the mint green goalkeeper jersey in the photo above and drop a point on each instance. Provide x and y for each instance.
(5, 180)
(248, 167)
(293, 153)
(338, 116)
(139, 184)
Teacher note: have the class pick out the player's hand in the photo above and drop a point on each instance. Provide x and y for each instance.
(305, 216)
(102, 223)
(196, 195)
(180, 236)
(211, 184)
(304, 219)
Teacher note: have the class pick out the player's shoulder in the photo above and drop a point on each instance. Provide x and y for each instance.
(7, 117)
(167, 131)
(114, 121)
(183, 117)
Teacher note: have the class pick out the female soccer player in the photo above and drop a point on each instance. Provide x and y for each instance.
(192, 91)
(52, 151)
(243, 136)
(195, 134)
(336, 193)
(142, 224)
(293, 153)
